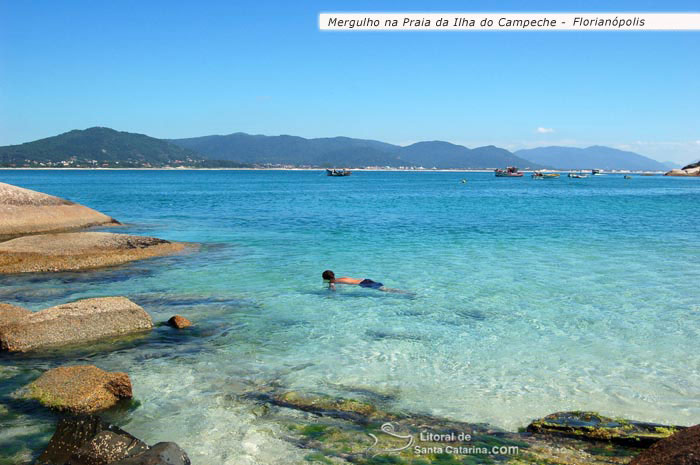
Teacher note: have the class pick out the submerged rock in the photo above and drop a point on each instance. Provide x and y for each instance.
(337, 430)
(163, 453)
(79, 251)
(592, 426)
(350, 409)
(79, 389)
(681, 448)
(91, 441)
(179, 322)
(81, 321)
(23, 211)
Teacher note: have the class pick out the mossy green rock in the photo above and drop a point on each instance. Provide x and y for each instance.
(350, 409)
(342, 431)
(593, 426)
(78, 389)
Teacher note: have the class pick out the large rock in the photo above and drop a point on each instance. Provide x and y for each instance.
(683, 448)
(81, 321)
(592, 426)
(689, 170)
(91, 441)
(79, 251)
(23, 211)
(80, 389)
(11, 314)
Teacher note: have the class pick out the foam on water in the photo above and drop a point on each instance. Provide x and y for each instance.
(531, 297)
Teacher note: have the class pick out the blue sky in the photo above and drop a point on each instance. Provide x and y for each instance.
(186, 68)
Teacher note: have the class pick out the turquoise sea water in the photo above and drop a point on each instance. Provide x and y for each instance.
(530, 297)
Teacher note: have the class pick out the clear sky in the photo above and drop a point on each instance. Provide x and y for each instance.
(189, 68)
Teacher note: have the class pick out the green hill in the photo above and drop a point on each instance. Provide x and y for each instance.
(98, 147)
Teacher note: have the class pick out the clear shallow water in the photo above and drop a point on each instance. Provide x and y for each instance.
(531, 297)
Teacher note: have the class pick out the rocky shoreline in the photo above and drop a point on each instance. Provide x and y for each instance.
(332, 430)
(36, 236)
(690, 170)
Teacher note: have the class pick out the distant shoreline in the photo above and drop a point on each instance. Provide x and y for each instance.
(489, 170)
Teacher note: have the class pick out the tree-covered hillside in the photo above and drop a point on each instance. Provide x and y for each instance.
(97, 147)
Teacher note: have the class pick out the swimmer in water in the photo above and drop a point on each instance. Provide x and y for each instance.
(331, 280)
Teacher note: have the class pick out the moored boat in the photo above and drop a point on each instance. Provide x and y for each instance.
(509, 172)
(542, 175)
(577, 175)
(335, 172)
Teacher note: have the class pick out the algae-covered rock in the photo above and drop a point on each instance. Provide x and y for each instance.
(79, 389)
(592, 426)
(337, 431)
(681, 448)
(23, 211)
(325, 405)
(79, 251)
(80, 321)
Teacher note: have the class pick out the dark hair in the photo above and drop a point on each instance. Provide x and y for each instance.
(329, 275)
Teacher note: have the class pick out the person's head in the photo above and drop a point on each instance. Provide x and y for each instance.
(328, 276)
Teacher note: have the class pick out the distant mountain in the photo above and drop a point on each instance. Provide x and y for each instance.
(446, 155)
(671, 165)
(347, 152)
(607, 158)
(96, 147)
(292, 150)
